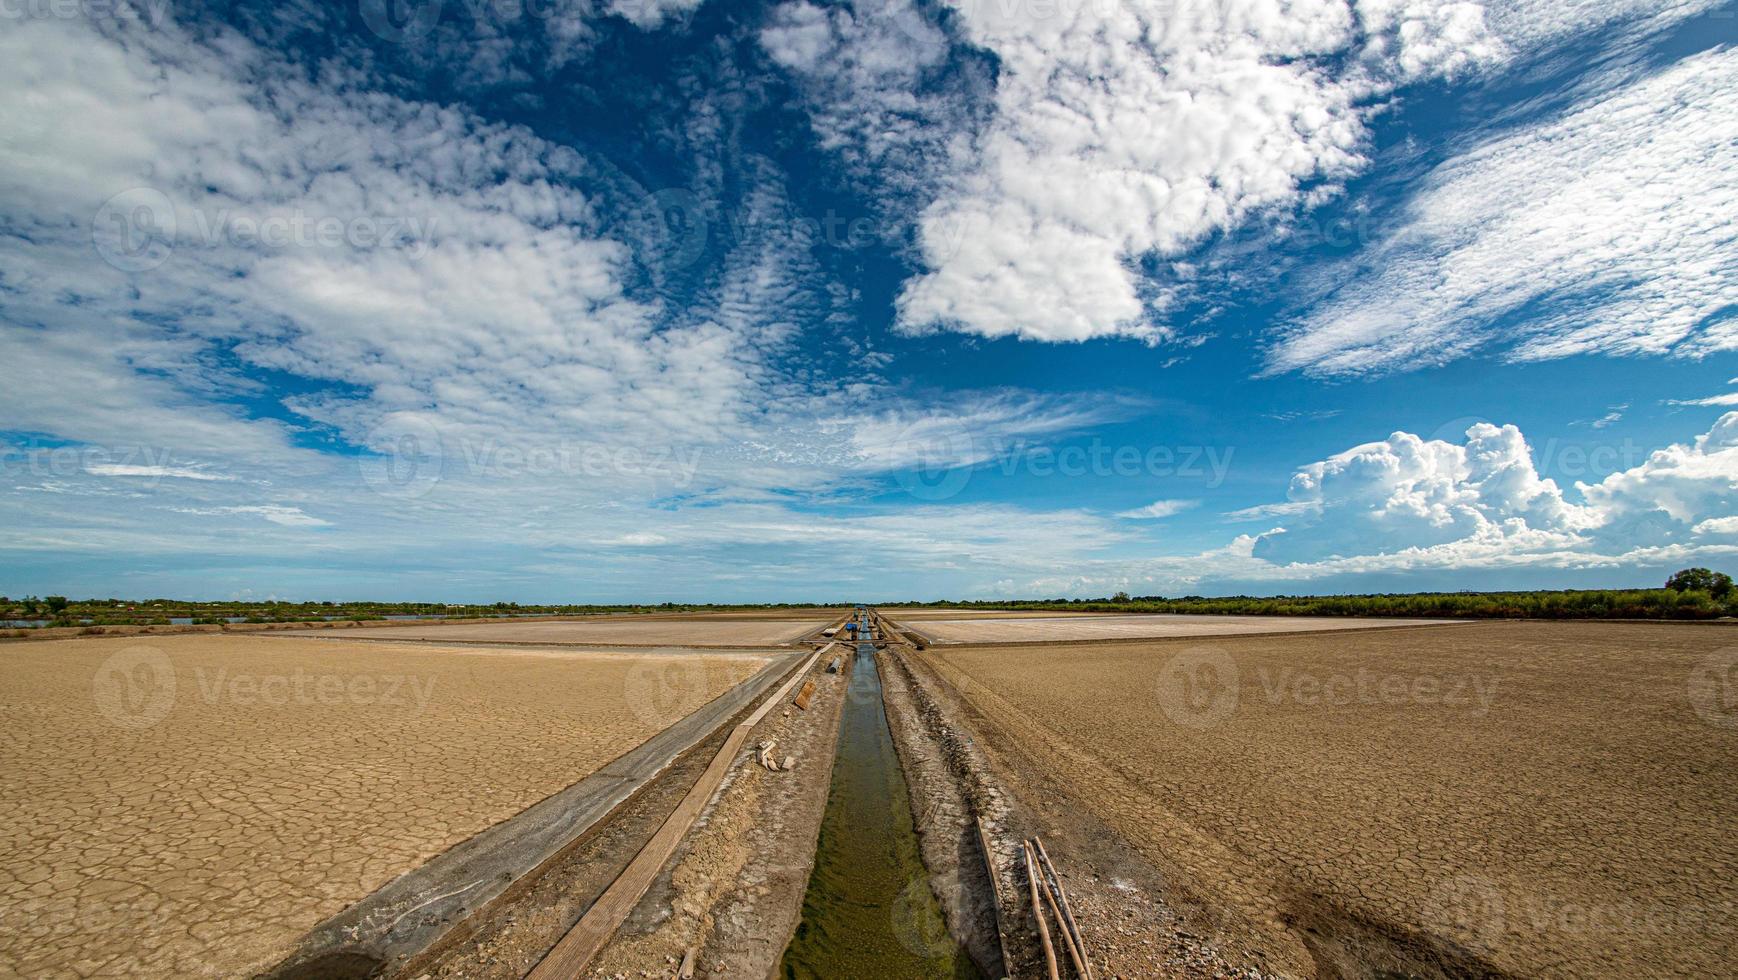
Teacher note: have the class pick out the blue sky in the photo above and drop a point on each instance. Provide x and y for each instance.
(624, 300)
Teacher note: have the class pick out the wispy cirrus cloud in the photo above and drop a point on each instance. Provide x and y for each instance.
(1159, 510)
(1605, 231)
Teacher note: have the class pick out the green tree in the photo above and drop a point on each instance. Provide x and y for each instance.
(56, 603)
(1716, 584)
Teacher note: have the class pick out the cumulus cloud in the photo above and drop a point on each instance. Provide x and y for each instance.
(1407, 492)
(1411, 502)
(1465, 509)
(1606, 231)
(1123, 131)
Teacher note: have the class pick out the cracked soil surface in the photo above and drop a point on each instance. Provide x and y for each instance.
(190, 805)
(1529, 799)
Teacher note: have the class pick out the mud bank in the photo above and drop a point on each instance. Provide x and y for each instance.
(734, 892)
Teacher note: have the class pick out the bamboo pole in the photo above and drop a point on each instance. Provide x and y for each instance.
(1038, 912)
(1068, 944)
(1069, 923)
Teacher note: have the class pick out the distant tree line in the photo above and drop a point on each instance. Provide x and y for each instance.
(60, 611)
(1691, 593)
(1694, 593)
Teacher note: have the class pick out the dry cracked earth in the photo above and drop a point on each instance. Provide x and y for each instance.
(1534, 799)
(190, 805)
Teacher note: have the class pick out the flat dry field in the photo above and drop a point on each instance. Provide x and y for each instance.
(924, 615)
(718, 631)
(1536, 799)
(1086, 626)
(185, 806)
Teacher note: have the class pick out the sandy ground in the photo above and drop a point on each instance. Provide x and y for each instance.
(1525, 798)
(698, 632)
(190, 805)
(1053, 628)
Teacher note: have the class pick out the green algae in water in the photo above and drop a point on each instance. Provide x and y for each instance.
(869, 913)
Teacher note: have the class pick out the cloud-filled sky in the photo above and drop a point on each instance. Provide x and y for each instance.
(738, 300)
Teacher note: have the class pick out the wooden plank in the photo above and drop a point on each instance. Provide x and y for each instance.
(995, 891)
(568, 959)
(1038, 913)
(804, 695)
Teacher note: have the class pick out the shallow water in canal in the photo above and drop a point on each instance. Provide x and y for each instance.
(869, 913)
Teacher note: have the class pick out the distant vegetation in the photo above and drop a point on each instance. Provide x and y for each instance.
(60, 611)
(1693, 593)
(1690, 594)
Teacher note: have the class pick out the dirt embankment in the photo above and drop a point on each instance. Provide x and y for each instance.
(961, 766)
(734, 891)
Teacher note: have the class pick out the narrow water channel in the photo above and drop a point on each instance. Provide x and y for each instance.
(869, 913)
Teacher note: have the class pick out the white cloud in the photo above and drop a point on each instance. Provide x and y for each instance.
(1410, 506)
(1531, 24)
(1407, 492)
(1609, 227)
(278, 514)
(1159, 509)
(881, 92)
(1718, 525)
(648, 14)
(505, 316)
(177, 472)
(1263, 512)
(1408, 502)
(1730, 398)
(1123, 131)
